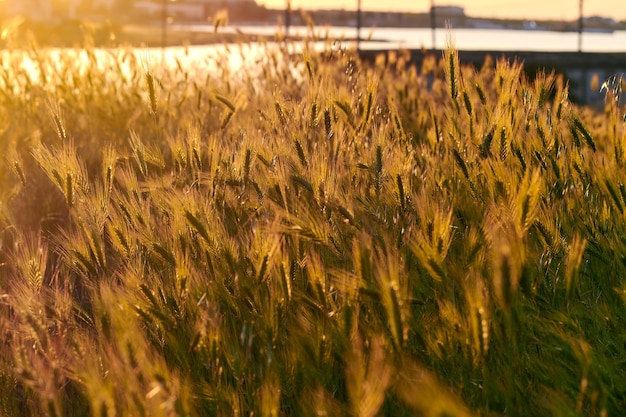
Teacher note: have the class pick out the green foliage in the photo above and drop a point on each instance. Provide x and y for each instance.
(319, 236)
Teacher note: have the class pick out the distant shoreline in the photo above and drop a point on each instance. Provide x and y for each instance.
(81, 34)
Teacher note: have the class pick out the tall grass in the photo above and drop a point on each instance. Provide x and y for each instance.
(322, 237)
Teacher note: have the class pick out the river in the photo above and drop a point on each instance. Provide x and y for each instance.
(465, 39)
(210, 57)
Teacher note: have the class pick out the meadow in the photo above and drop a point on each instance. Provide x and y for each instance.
(318, 236)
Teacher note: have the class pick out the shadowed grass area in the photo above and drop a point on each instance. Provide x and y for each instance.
(311, 236)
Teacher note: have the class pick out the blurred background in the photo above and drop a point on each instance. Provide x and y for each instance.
(522, 25)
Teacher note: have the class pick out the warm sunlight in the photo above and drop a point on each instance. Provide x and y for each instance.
(218, 208)
(526, 25)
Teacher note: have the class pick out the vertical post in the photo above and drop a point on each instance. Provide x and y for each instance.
(163, 29)
(287, 18)
(580, 25)
(433, 22)
(358, 24)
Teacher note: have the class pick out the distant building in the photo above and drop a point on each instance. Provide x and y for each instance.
(448, 11)
(198, 10)
(599, 20)
(177, 10)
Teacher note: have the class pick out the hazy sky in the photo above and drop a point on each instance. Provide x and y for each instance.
(534, 9)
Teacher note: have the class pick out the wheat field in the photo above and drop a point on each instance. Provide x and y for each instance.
(320, 236)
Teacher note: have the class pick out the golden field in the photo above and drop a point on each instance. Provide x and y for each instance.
(315, 235)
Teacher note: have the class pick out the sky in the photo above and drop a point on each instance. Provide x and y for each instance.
(526, 9)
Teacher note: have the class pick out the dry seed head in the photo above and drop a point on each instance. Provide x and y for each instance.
(436, 125)
(197, 225)
(60, 182)
(468, 103)
(247, 165)
(313, 116)
(34, 274)
(97, 245)
(481, 93)
(31, 258)
(544, 85)
(452, 68)
(578, 125)
(109, 161)
(109, 179)
(401, 195)
(120, 242)
(459, 159)
(307, 63)
(196, 156)
(151, 92)
(559, 110)
(226, 102)
(613, 87)
(526, 203)
(574, 258)
(379, 160)
(58, 125)
(226, 120)
(281, 113)
(344, 106)
(137, 147)
(301, 155)
(504, 143)
(485, 147)
(328, 123)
